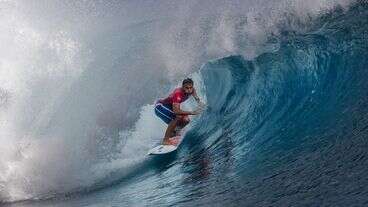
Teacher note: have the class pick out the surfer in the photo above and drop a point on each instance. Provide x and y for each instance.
(169, 111)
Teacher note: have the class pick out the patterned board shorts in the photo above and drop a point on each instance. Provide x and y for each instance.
(164, 112)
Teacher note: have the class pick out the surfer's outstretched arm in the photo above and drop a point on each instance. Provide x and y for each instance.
(201, 105)
(178, 111)
(195, 96)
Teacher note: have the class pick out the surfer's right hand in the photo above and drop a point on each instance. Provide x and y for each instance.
(196, 112)
(201, 104)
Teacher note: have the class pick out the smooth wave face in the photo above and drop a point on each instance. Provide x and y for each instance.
(289, 128)
(285, 124)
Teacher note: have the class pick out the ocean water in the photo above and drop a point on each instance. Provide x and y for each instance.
(284, 82)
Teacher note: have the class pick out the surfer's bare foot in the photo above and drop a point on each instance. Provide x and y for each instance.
(170, 141)
(178, 131)
(166, 141)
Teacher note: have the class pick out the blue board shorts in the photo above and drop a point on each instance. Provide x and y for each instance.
(164, 112)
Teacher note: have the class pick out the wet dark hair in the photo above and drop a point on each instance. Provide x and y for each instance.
(187, 80)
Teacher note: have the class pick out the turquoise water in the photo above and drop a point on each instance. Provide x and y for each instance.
(284, 127)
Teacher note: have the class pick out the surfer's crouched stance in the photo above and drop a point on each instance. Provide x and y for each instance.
(169, 111)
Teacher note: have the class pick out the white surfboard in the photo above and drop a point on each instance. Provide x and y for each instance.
(164, 149)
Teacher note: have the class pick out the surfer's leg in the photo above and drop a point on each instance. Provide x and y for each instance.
(183, 121)
(170, 130)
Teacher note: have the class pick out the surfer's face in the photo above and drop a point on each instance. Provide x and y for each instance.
(188, 88)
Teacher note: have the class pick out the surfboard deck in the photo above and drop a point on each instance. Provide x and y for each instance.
(164, 149)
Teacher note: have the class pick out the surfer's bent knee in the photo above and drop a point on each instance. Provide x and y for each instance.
(182, 119)
(185, 119)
